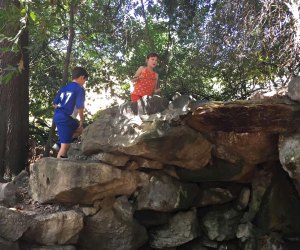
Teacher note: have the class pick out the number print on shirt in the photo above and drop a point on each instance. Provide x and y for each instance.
(68, 96)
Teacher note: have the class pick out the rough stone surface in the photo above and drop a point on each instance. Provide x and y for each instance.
(55, 229)
(8, 245)
(182, 228)
(289, 155)
(166, 194)
(147, 105)
(196, 244)
(8, 194)
(265, 116)
(113, 227)
(111, 159)
(146, 163)
(294, 89)
(219, 170)
(213, 195)
(156, 138)
(221, 224)
(56, 247)
(81, 182)
(252, 148)
(279, 210)
(13, 224)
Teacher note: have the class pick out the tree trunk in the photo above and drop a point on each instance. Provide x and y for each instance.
(14, 104)
(65, 72)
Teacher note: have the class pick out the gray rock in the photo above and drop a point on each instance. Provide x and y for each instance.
(81, 182)
(22, 179)
(166, 194)
(55, 229)
(294, 89)
(213, 195)
(218, 170)
(13, 224)
(156, 138)
(182, 228)
(245, 231)
(56, 247)
(8, 245)
(150, 218)
(252, 148)
(111, 159)
(180, 103)
(113, 227)
(196, 244)
(280, 206)
(146, 163)
(8, 194)
(289, 155)
(243, 199)
(259, 185)
(147, 105)
(221, 224)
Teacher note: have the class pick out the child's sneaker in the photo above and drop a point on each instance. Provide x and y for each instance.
(56, 147)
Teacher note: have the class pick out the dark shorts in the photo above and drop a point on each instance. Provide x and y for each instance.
(66, 126)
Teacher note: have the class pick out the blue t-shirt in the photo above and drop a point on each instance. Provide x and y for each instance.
(69, 97)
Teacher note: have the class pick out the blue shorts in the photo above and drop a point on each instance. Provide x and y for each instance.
(66, 126)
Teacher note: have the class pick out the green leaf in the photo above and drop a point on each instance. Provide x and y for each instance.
(32, 16)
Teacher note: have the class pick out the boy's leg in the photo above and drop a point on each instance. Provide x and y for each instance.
(63, 150)
(66, 127)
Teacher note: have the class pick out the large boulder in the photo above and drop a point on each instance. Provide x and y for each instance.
(8, 194)
(252, 148)
(289, 155)
(221, 223)
(219, 170)
(13, 224)
(166, 194)
(156, 138)
(265, 116)
(181, 228)
(82, 182)
(280, 206)
(294, 89)
(57, 228)
(113, 227)
(8, 245)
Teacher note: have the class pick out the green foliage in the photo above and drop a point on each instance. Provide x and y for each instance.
(214, 50)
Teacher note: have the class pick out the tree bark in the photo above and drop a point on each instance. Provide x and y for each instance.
(14, 104)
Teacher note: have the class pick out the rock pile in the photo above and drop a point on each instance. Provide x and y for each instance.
(186, 175)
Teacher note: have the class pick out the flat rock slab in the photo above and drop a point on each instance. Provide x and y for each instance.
(79, 182)
(269, 116)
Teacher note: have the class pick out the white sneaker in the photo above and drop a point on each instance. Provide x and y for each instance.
(56, 147)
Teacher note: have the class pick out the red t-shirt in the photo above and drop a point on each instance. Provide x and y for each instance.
(145, 85)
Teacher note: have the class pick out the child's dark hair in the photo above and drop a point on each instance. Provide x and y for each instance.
(79, 71)
(152, 54)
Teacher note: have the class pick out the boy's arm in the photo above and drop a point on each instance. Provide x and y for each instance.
(81, 117)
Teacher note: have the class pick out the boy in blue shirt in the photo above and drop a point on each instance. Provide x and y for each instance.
(68, 103)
